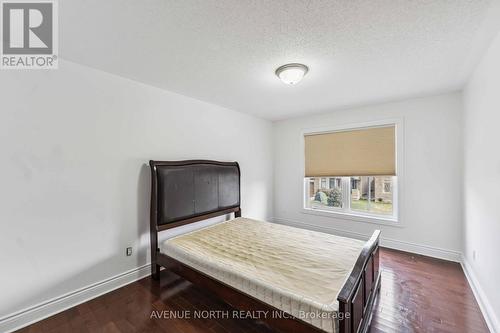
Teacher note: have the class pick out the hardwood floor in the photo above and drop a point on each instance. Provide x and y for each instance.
(418, 294)
(422, 294)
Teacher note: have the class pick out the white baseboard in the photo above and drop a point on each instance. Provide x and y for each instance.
(20, 319)
(425, 250)
(489, 315)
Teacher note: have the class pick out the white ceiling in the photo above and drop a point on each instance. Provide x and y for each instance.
(225, 51)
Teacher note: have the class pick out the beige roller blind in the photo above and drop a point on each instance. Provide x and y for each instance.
(360, 152)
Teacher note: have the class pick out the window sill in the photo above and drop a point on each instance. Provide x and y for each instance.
(393, 222)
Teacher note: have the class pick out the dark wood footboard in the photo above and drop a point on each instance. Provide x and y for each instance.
(357, 297)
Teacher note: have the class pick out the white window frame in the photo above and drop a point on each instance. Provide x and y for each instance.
(397, 185)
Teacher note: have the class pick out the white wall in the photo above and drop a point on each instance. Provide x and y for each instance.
(74, 186)
(431, 199)
(482, 179)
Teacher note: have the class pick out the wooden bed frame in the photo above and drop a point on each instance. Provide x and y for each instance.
(173, 179)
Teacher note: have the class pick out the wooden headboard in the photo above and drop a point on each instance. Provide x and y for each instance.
(184, 192)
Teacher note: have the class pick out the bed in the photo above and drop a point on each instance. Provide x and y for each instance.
(304, 281)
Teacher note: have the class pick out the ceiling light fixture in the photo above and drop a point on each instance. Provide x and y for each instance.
(291, 73)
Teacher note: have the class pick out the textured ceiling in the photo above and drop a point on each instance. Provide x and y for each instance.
(225, 51)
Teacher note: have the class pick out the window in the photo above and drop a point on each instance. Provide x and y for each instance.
(370, 195)
(335, 182)
(354, 183)
(331, 160)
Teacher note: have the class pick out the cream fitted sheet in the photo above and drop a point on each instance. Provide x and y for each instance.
(295, 270)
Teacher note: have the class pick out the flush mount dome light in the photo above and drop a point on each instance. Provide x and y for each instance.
(292, 73)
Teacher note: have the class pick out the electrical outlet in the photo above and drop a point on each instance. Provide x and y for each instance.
(129, 251)
(474, 255)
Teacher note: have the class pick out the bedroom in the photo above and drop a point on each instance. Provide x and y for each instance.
(392, 127)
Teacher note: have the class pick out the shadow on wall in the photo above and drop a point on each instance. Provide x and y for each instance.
(143, 210)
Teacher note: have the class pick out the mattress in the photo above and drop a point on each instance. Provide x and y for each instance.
(297, 271)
